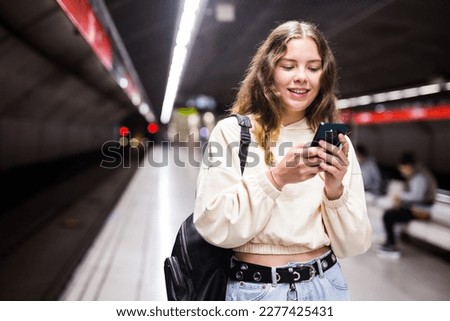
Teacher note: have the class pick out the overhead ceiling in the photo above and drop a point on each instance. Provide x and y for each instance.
(50, 73)
(379, 44)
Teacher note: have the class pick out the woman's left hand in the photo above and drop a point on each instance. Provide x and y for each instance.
(334, 164)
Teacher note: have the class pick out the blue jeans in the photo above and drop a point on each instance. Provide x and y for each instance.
(325, 286)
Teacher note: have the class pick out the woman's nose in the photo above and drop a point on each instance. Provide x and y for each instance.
(300, 76)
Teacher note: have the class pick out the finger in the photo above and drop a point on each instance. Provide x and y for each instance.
(313, 161)
(330, 148)
(329, 169)
(298, 157)
(303, 152)
(340, 161)
(307, 145)
(311, 151)
(344, 143)
(294, 161)
(333, 171)
(329, 157)
(343, 158)
(313, 171)
(344, 150)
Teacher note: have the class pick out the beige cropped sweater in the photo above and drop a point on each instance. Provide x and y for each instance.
(247, 213)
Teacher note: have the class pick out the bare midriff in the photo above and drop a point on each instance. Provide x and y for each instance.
(282, 259)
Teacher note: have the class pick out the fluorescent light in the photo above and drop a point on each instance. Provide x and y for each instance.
(379, 98)
(343, 103)
(135, 99)
(123, 82)
(364, 100)
(149, 117)
(410, 92)
(144, 108)
(429, 89)
(186, 26)
(393, 95)
(184, 37)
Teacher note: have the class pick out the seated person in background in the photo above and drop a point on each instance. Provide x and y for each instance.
(413, 203)
(371, 174)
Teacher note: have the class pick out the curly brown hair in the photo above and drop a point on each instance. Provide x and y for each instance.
(257, 94)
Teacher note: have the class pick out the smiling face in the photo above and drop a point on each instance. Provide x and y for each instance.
(297, 78)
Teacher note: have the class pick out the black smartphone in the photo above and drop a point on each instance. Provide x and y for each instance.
(329, 132)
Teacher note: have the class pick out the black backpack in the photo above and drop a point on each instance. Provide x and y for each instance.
(196, 270)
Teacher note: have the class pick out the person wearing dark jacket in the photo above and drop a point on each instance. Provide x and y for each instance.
(413, 203)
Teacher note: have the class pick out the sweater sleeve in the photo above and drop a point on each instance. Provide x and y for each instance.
(417, 189)
(230, 209)
(346, 219)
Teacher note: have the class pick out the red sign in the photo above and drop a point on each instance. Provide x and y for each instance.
(83, 17)
(439, 112)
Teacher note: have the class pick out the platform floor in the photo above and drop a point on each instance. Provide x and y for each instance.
(125, 262)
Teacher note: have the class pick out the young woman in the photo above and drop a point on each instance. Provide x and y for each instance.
(296, 208)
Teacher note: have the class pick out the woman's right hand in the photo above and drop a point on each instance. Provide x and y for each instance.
(300, 164)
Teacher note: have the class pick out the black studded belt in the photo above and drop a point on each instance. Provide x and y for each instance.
(248, 272)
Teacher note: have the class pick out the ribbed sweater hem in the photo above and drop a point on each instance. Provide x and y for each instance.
(273, 249)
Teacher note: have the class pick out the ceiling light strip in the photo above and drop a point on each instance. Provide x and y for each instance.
(184, 39)
(393, 95)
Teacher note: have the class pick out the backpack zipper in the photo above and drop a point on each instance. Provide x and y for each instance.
(175, 268)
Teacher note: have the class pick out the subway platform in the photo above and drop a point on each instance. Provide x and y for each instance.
(103, 235)
(126, 260)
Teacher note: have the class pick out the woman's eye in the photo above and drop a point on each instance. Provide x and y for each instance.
(314, 69)
(287, 67)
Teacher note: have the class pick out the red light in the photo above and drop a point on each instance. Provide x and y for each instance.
(438, 112)
(153, 128)
(123, 131)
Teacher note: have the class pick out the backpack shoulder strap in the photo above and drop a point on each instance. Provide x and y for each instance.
(245, 124)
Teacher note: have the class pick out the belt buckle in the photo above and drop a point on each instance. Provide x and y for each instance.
(312, 271)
